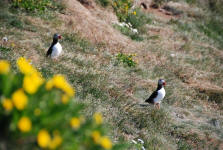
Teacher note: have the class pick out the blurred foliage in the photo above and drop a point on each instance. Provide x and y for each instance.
(36, 113)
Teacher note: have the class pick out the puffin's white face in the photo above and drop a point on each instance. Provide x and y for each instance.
(161, 82)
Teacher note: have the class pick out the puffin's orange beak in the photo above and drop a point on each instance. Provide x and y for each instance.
(164, 83)
(59, 36)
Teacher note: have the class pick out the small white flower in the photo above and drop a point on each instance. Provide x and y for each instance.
(126, 25)
(141, 141)
(130, 24)
(172, 55)
(135, 30)
(5, 39)
(133, 141)
(121, 24)
(143, 148)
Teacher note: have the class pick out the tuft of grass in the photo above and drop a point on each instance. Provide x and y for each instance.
(2, 48)
(104, 3)
(137, 18)
(182, 26)
(128, 32)
(213, 29)
(78, 42)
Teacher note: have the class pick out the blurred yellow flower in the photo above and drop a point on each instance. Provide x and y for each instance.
(24, 124)
(32, 82)
(37, 112)
(134, 12)
(19, 99)
(25, 67)
(49, 84)
(55, 142)
(7, 104)
(69, 90)
(98, 118)
(60, 82)
(4, 66)
(96, 136)
(43, 138)
(65, 98)
(13, 44)
(75, 123)
(106, 143)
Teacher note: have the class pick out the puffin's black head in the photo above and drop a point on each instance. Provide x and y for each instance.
(161, 82)
(56, 37)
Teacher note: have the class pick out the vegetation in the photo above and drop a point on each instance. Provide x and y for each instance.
(126, 59)
(45, 111)
(128, 32)
(122, 8)
(104, 3)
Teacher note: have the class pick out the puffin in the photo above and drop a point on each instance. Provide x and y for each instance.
(157, 96)
(55, 49)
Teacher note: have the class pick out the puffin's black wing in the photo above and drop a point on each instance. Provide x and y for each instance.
(49, 50)
(151, 98)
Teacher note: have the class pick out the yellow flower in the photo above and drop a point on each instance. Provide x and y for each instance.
(43, 138)
(98, 118)
(37, 112)
(13, 44)
(25, 67)
(49, 84)
(75, 123)
(65, 98)
(4, 67)
(134, 12)
(106, 143)
(32, 82)
(55, 142)
(7, 104)
(96, 136)
(19, 99)
(60, 82)
(69, 90)
(24, 124)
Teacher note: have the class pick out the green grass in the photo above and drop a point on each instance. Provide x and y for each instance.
(137, 18)
(126, 31)
(213, 29)
(104, 3)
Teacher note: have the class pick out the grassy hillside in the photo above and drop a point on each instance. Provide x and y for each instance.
(184, 49)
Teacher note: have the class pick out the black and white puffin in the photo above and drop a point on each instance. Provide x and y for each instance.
(55, 49)
(158, 95)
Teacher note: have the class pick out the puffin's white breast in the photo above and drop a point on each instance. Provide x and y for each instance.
(57, 49)
(161, 94)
